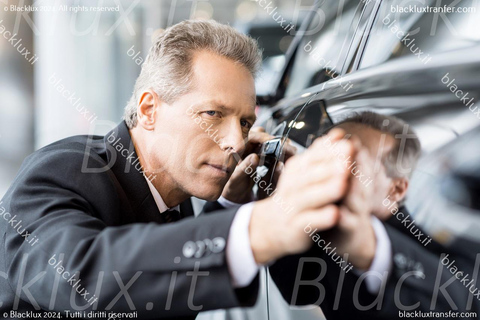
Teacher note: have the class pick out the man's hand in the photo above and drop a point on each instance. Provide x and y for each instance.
(354, 233)
(239, 187)
(308, 186)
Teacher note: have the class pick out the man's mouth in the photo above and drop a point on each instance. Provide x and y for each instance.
(220, 169)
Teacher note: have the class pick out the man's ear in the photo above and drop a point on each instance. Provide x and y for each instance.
(146, 110)
(399, 189)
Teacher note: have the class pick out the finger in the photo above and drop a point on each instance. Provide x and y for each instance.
(258, 137)
(289, 149)
(258, 129)
(337, 133)
(250, 163)
(333, 135)
(357, 143)
(323, 173)
(338, 151)
(323, 194)
(321, 219)
(359, 195)
(348, 221)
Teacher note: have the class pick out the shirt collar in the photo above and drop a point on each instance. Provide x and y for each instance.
(162, 207)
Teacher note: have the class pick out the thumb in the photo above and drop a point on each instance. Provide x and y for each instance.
(249, 164)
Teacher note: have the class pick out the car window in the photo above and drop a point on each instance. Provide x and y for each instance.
(319, 55)
(402, 29)
(305, 123)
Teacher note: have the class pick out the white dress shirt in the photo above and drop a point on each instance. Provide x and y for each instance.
(382, 262)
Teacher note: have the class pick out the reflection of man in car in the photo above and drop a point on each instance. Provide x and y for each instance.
(405, 269)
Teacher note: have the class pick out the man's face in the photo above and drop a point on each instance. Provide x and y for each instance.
(378, 144)
(196, 136)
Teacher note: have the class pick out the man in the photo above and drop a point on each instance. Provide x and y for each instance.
(405, 265)
(105, 223)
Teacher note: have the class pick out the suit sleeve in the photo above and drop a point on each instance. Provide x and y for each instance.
(419, 281)
(146, 267)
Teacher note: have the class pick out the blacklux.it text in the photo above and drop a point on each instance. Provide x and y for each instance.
(72, 280)
(347, 161)
(17, 45)
(17, 226)
(327, 66)
(468, 283)
(460, 94)
(128, 154)
(406, 39)
(409, 224)
(209, 130)
(70, 96)
(269, 189)
(330, 251)
(271, 10)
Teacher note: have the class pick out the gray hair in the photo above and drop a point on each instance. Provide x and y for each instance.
(401, 160)
(168, 67)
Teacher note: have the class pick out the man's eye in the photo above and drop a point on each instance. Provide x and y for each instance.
(211, 113)
(245, 123)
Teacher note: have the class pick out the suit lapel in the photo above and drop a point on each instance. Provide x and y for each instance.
(129, 173)
(125, 165)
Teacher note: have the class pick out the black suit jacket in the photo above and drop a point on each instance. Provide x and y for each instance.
(91, 211)
(418, 280)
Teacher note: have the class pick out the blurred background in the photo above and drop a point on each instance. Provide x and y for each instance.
(96, 57)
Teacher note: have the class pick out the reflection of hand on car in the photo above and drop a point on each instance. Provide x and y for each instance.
(354, 234)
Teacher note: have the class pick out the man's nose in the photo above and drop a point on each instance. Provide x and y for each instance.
(234, 139)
